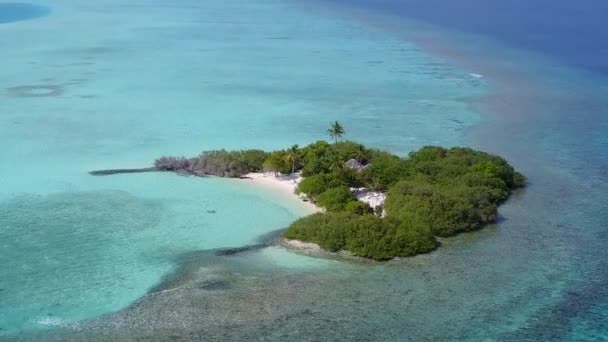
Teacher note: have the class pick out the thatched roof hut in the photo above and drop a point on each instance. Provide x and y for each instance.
(354, 164)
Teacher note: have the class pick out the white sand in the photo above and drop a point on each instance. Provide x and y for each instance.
(299, 245)
(373, 198)
(283, 184)
(286, 185)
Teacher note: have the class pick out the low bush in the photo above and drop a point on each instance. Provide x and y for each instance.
(172, 163)
(358, 207)
(217, 163)
(315, 185)
(362, 235)
(336, 199)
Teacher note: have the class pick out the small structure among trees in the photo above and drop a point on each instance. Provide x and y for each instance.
(354, 164)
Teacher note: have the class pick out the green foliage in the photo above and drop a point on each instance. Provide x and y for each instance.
(318, 158)
(322, 157)
(358, 207)
(292, 157)
(434, 192)
(363, 235)
(252, 160)
(346, 150)
(385, 169)
(519, 180)
(314, 186)
(445, 210)
(350, 177)
(335, 199)
(428, 154)
(226, 163)
(277, 161)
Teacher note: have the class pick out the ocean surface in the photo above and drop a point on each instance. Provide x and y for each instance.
(109, 84)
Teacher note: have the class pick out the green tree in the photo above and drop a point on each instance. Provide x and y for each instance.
(277, 163)
(315, 185)
(336, 199)
(358, 207)
(336, 131)
(292, 156)
(385, 170)
(351, 150)
(316, 158)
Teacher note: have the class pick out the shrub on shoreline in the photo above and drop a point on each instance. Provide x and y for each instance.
(220, 163)
(366, 236)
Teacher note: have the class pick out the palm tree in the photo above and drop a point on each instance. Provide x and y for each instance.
(336, 131)
(292, 157)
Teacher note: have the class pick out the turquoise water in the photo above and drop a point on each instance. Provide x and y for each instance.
(134, 254)
(107, 84)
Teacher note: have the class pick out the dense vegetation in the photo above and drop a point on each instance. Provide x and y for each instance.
(365, 235)
(433, 192)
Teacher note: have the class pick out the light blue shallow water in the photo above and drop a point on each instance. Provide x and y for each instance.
(140, 80)
(108, 84)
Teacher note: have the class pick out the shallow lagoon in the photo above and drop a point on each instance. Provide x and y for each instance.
(141, 80)
(225, 77)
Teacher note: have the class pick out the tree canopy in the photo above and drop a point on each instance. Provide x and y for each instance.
(433, 192)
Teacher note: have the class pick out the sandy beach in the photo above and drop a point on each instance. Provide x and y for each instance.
(286, 185)
(282, 184)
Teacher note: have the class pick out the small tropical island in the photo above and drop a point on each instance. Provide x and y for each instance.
(434, 192)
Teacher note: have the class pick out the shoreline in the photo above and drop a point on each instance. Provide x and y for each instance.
(312, 249)
(283, 185)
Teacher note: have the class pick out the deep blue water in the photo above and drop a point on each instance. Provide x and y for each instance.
(573, 31)
(14, 11)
